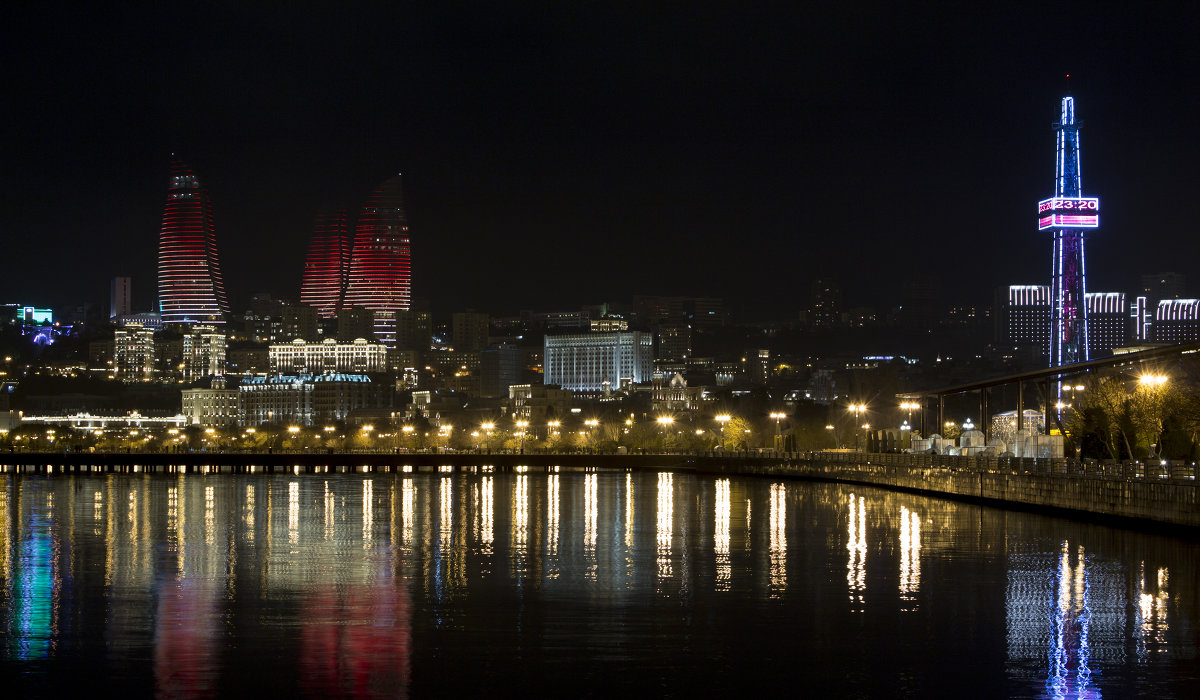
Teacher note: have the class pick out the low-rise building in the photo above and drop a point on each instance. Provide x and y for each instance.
(215, 406)
(329, 355)
(307, 399)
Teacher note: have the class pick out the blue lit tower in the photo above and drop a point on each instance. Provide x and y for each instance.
(1067, 215)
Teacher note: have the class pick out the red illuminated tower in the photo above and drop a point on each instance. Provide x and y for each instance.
(327, 264)
(190, 287)
(380, 263)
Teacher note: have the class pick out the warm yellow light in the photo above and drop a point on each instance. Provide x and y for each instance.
(552, 424)
(778, 416)
(408, 429)
(330, 428)
(591, 422)
(1152, 379)
(723, 418)
(488, 426)
(368, 428)
(251, 431)
(210, 431)
(293, 429)
(665, 420)
(522, 423)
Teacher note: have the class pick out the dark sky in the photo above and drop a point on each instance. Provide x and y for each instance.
(565, 153)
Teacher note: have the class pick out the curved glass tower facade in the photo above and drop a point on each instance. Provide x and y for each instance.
(327, 264)
(380, 277)
(190, 286)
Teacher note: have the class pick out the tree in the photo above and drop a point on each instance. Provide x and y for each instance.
(1149, 405)
(736, 433)
(1110, 397)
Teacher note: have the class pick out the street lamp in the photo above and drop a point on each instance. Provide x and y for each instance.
(487, 429)
(778, 416)
(1152, 380)
(522, 424)
(723, 419)
(407, 430)
(857, 409)
(665, 422)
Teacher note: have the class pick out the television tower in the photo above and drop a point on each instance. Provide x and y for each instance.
(1067, 215)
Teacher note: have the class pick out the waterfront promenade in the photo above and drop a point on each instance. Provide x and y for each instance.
(1142, 493)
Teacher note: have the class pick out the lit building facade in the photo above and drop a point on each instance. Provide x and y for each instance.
(597, 362)
(1177, 321)
(306, 399)
(203, 351)
(190, 286)
(1139, 318)
(133, 353)
(380, 278)
(1108, 321)
(217, 406)
(327, 265)
(328, 355)
(1027, 321)
(673, 395)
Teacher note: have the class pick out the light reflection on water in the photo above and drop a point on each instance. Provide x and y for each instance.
(382, 585)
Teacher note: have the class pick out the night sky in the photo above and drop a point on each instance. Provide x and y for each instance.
(567, 153)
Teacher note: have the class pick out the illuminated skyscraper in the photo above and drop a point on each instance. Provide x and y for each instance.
(380, 263)
(1067, 215)
(190, 287)
(327, 265)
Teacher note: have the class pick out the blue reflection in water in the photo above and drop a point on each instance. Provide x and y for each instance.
(1070, 619)
(35, 590)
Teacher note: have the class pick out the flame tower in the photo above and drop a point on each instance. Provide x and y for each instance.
(190, 287)
(381, 261)
(327, 264)
(1067, 215)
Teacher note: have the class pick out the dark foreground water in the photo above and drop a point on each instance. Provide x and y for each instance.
(574, 584)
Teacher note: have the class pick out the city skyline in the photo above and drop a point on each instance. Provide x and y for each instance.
(724, 152)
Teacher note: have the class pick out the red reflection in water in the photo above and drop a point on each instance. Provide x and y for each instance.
(355, 641)
(185, 639)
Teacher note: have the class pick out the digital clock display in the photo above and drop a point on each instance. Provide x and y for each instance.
(1068, 212)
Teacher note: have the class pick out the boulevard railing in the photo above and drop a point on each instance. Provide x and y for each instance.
(1139, 470)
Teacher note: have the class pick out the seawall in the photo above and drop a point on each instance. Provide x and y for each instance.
(1142, 494)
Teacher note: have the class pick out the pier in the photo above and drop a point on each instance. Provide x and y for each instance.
(1129, 493)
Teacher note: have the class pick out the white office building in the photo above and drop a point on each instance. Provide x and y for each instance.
(598, 362)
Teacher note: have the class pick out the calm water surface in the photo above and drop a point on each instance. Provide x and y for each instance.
(575, 584)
